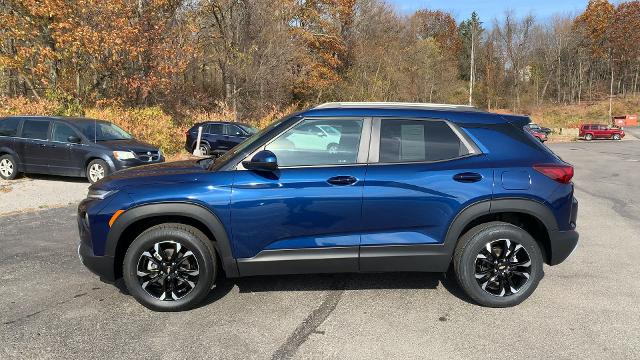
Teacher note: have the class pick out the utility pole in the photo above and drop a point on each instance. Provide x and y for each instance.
(472, 70)
(611, 93)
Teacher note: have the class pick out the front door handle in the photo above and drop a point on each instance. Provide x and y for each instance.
(342, 180)
(467, 177)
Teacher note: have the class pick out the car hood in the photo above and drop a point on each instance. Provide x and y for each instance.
(170, 172)
(128, 145)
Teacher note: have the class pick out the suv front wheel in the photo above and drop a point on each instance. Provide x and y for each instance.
(170, 267)
(498, 264)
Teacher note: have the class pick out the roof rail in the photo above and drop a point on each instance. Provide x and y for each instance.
(330, 105)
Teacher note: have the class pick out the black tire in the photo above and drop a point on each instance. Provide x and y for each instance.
(205, 149)
(333, 148)
(97, 170)
(467, 262)
(616, 136)
(588, 137)
(8, 167)
(190, 240)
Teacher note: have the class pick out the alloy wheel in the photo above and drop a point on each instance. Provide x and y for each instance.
(168, 271)
(6, 168)
(503, 267)
(96, 172)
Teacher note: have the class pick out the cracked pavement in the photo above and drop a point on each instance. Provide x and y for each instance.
(587, 307)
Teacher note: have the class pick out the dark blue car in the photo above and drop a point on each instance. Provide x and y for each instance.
(217, 136)
(409, 187)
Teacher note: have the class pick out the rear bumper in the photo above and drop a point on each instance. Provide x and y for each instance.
(562, 245)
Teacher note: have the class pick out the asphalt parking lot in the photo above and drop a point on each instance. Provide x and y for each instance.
(587, 307)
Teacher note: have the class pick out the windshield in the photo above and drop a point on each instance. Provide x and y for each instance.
(102, 131)
(248, 129)
(247, 143)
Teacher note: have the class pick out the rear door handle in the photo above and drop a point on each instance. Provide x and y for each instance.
(342, 180)
(467, 177)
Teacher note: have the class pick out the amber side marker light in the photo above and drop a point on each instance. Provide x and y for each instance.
(115, 217)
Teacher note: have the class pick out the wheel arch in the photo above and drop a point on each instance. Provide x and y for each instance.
(530, 215)
(136, 220)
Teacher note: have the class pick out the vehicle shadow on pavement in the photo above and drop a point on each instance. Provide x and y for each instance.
(328, 282)
(54, 178)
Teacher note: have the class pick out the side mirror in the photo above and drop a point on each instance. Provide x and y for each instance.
(264, 160)
(74, 139)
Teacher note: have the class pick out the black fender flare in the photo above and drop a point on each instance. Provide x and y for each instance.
(487, 207)
(185, 209)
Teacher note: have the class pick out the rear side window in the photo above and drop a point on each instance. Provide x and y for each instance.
(9, 127)
(232, 130)
(418, 140)
(215, 129)
(35, 129)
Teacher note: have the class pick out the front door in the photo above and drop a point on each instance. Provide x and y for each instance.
(34, 145)
(421, 174)
(305, 216)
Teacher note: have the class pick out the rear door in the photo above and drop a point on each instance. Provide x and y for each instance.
(35, 134)
(233, 136)
(421, 174)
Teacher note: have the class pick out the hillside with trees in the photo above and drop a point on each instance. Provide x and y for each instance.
(251, 59)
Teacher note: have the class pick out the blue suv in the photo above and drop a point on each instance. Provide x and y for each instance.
(409, 187)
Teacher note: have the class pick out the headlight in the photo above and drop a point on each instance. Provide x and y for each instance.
(124, 155)
(100, 194)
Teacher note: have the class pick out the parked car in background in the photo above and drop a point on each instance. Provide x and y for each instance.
(600, 131)
(537, 134)
(218, 136)
(410, 187)
(540, 129)
(69, 147)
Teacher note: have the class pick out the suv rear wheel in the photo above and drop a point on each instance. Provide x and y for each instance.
(498, 264)
(170, 267)
(8, 167)
(588, 137)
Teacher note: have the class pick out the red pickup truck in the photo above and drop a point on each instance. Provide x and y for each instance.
(600, 131)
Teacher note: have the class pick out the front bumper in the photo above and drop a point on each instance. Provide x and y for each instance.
(99, 265)
(126, 164)
(102, 266)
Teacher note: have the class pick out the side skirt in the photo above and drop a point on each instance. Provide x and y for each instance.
(388, 258)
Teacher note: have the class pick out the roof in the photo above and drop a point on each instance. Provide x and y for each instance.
(396, 105)
(63, 118)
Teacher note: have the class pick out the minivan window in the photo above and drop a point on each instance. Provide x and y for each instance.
(301, 146)
(35, 129)
(418, 140)
(9, 127)
(61, 132)
(102, 131)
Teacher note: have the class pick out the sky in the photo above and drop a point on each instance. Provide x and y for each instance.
(490, 9)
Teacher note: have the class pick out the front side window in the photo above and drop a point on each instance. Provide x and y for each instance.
(308, 143)
(35, 129)
(232, 130)
(62, 132)
(9, 127)
(418, 140)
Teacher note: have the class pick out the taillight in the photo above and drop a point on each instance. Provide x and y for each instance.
(560, 173)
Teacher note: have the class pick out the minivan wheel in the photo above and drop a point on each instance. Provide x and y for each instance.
(97, 170)
(588, 137)
(8, 167)
(498, 264)
(170, 267)
(616, 136)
